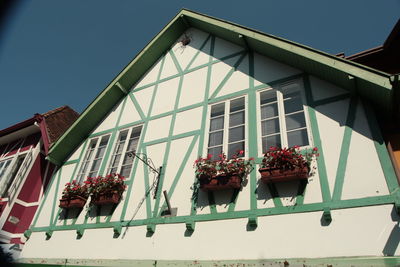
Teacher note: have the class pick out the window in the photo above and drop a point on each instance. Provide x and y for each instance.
(14, 171)
(283, 120)
(3, 168)
(93, 157)
(227, 128)
(122, 158)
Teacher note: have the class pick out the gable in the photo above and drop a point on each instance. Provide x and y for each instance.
(348, 75)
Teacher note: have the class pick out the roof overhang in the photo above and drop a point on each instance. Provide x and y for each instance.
(349, 75)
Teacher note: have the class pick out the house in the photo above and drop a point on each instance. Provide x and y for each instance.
(24, 172)
(205, 86)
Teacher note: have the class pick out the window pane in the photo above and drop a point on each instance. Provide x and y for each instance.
(104, 140)
(293, 104)
(215, 151)
(267, 142)
(215, 138)
(100, 152)
(235, 148)
(298, 138)
(132, 144)
(115, 160)
(217, 124)
(218, 110)
(123, 135)
(96, 165)
(270, 126)
(3, 167)
(136, 132)
(237, 104)
(125, 171)
(267, 97)
(269, 111)
(295, 121)
(127, 159)
(236, 134)
(236, 119)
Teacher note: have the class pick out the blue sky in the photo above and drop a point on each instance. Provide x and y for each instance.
(55, 53)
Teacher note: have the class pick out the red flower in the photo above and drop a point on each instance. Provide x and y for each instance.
(315, 149)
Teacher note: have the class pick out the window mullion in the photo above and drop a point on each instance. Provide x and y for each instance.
(281, 115)
(127, 140)
(225, 139)
(92, 157)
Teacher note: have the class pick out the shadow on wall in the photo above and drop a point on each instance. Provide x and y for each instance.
(394, 238)
(5, 258)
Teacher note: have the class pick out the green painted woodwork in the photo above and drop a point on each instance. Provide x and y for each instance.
(296, 262)
(228, 75)
(374, 84)
(312, 207)
(323, 178)
(137, 106)
(198, 52)
(252, 135)
(180, 171)
(331, 99)
(55, 198)
(178, 67)
(380, 148)
(141, 148)
(153, 214)
(193, 209)
(344, 151)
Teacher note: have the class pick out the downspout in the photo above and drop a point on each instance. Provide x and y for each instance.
(40, 119)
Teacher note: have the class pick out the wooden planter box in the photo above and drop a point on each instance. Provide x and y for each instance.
(76, 202)
(220, 182)
(107, 198)
(271, 175)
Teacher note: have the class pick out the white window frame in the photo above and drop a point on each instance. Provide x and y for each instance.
(81, 176)
(5, 180)
(123, 152)
(225, 139)
(281, 114)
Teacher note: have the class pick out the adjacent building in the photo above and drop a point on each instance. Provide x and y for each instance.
(24, 172)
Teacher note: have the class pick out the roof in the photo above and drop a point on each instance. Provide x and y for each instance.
(52, 124)
(349, 75)
(385, 57)
(58, 120)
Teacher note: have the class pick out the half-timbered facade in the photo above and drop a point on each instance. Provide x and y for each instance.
(24, 172)
(206, 86)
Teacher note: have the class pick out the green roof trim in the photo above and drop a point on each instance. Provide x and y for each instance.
(354, 77)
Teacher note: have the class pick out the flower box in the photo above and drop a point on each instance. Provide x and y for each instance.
(73, 202)
(106, 198)
(220, 182)
(274, 175)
